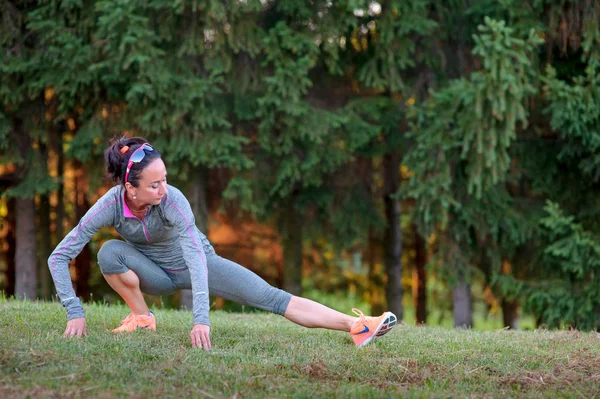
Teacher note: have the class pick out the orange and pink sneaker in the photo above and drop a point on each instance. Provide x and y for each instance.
(134, 322)
(367, 329)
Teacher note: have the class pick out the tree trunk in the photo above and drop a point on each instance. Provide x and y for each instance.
(25, 236)
(25, 255)
(292, 250)
(83, 261)
(59, 209)
(510, 309)
(375, 277)
(45, 247)
(11, 250)
(510, 314)
(44, 236)
(420, 278)
(393, 236)
(198, 194)
(463, 313)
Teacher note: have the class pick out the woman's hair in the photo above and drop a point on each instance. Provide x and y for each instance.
(117, 157)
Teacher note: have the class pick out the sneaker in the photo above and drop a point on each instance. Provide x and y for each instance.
(367, 328)
(134, 322)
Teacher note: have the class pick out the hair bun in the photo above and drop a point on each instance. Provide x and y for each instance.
(117, 156)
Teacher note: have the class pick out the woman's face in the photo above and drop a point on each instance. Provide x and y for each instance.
(152, 186)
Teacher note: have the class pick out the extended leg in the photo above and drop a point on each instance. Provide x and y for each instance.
(234, 282)
(308, 313)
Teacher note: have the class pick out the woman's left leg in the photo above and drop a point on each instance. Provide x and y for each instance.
(231, 281)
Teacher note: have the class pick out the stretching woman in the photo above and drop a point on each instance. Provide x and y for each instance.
(164, 251)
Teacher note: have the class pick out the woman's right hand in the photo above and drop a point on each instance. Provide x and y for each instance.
(76, 328)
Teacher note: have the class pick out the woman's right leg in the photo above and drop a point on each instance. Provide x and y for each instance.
(129, 273)
(127, 285)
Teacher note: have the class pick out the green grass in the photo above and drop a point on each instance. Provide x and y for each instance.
(263, 355)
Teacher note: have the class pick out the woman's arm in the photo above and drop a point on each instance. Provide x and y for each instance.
(178, 211)
(100, 214)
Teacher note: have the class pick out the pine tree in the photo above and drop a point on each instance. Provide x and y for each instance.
(461, 157)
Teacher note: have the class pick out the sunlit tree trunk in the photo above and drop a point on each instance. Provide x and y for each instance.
(292, 250)
(44, 245)
(198, 194)
(393, 236)
(25, 255)
(59, 208)
(44, 249)
(420, 278)
(60, 193)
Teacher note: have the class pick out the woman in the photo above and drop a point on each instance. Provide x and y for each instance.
(164, 252)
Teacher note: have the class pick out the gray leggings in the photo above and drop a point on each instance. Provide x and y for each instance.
(226, 279)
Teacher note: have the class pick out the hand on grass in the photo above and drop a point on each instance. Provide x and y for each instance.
(200, 335)
(76, 328)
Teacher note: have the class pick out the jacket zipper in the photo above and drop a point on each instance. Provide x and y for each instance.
(145, 231)
(144, 226)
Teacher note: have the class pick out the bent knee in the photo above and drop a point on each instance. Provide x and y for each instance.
(110, 257)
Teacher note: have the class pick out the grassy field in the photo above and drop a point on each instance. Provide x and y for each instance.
(262, 355)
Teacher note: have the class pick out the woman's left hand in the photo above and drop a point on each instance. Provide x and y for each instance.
(200, 335)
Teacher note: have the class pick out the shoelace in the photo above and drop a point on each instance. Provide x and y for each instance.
(361, 316)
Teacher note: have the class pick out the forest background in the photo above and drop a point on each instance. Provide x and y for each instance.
(428, 157)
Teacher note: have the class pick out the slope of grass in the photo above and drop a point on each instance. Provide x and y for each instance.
(263, 355)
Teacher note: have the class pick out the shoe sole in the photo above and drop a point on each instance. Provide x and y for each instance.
(387, 323)
(144, 328)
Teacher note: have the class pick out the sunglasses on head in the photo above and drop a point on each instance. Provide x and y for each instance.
(137, 157)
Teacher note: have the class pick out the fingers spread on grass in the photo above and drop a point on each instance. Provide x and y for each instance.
(200, 339)
(200, 335)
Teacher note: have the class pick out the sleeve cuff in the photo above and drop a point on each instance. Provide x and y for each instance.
(201, 320)
(74, 308)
